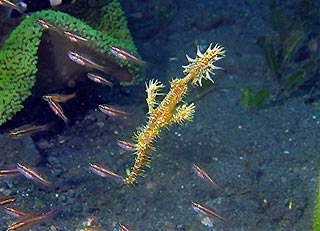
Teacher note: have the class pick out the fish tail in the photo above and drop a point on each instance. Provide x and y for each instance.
(48, 216)
(103, 69)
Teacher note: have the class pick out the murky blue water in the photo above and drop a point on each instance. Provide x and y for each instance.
(254, 131)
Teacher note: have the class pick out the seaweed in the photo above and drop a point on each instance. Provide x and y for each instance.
(293, 81)
(288, 51)
(292, 44)
(251, 100)
(270, 53)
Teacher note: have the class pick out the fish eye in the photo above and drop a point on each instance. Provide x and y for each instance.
(22, 4)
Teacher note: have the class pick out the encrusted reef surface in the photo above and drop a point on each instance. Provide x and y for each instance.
(21, 54)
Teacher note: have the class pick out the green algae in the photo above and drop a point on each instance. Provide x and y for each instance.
(251, 100)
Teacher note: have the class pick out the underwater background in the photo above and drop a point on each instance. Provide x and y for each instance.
(255, 131)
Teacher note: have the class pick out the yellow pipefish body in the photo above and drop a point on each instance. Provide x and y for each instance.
(171, 109)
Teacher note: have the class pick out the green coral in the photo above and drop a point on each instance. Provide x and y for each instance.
(18, 68)
(113, 22)
(18, 57)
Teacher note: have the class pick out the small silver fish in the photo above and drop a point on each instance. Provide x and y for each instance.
(123, 54)
(202, 174)
(16, 7)
(16, 213)
(9, 173)
(123, 227)
(4, 200)
(99, 79)
(207, 211)
(126, 145)
(59, 98)
(32, 175)
(81, 60)
(111, 111)
(28, 129)
(27, 221)
(57, 109)
(103, 172)
(45, 25)
(74, 37)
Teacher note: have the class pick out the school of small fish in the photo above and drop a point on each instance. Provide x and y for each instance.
(54, 100)
(81, 59)
(27, 219)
